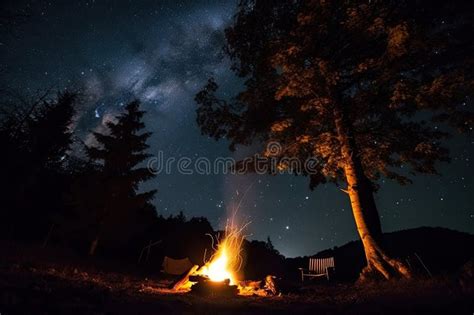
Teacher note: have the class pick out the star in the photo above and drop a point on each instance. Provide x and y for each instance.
(166, 74)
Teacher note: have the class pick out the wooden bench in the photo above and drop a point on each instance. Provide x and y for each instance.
(318, 267)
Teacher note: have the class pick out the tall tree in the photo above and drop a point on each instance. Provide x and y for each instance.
(36, 141)
(119, 154)
(364, 86)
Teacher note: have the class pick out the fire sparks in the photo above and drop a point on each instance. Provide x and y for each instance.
(227, 260)
(222, 269)
(220, 272)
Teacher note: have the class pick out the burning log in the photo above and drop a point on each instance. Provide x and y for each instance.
(206, 287)
(184, 283)
(266, 287)
(217, 277)
(270, 285)
(202, 285)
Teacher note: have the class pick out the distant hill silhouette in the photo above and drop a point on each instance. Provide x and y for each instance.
(441, 250)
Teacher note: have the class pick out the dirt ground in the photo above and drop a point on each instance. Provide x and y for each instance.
(46, 281)
(30, 289)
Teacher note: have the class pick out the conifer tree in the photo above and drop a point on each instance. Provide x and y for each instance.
(118, 154)
(36, 142)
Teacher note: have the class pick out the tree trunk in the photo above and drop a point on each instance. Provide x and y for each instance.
(100, 227)
(48, 236)
(365, 212)
(93, 246)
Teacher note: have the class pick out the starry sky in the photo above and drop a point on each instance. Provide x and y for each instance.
(162, 52)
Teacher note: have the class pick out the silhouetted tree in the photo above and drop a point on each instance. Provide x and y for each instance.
(49, 141)
(36, 143)
(262, 259)
(363, 86)
(270, 244)
(85, 200)
(121, 206)
(182, 237)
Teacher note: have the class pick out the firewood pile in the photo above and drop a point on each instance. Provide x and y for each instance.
(205, 287)
(202, 285)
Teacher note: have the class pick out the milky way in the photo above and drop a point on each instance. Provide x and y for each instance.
(163, 52)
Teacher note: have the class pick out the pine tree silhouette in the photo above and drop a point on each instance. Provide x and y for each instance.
(119, 154)
(36, 142)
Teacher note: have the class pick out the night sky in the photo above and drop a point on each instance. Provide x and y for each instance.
(162, 52)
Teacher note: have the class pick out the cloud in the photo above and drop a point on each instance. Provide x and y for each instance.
(164, 69)
(101, 128)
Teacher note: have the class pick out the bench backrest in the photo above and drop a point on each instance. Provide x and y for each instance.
(319, 265)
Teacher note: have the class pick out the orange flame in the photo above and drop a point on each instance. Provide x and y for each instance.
(227, 260)
(218, 268)
(225, 264)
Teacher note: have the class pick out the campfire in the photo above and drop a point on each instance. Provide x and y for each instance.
(219, 275)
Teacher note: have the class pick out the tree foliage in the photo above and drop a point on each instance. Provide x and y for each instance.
(398, 69)
(364, 87)
(119, 206)
(36, 141)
